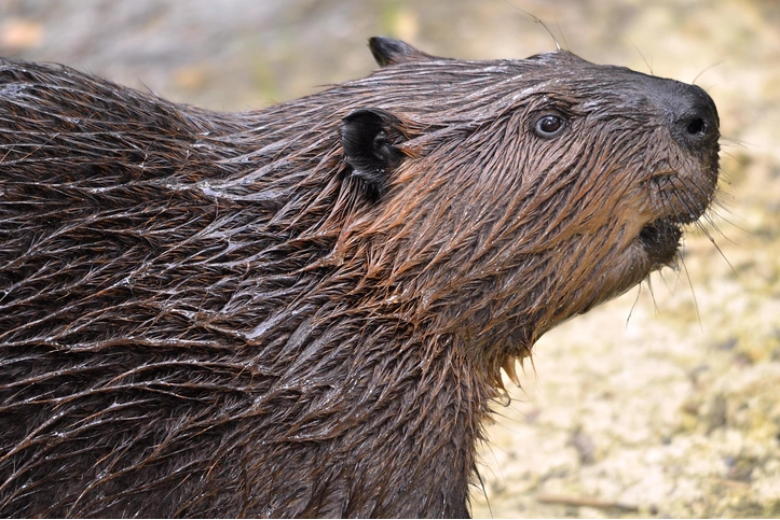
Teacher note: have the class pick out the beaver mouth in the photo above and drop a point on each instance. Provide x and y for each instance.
(660, 240)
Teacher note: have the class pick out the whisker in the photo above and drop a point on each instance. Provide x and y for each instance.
(705, 70)
(636, 301)
(652, 293)
(681, 195)
(649, 66)
(693, 292)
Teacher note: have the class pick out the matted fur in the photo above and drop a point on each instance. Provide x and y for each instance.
(206, 314)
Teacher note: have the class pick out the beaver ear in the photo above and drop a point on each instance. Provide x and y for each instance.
(368, 137)
(388, 51)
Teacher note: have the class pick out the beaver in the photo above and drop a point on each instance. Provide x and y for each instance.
(305, 310)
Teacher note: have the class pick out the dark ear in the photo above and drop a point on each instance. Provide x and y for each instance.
(368, 138)
(388, 51)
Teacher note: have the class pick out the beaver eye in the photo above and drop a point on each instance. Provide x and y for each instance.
(549, 125)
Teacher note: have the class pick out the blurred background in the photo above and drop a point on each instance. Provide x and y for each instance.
(664, 402)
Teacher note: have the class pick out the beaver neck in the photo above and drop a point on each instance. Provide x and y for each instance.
(357, 380)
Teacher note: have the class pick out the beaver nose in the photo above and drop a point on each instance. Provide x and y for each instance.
(693, 116)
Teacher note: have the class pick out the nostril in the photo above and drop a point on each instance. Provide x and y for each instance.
(690, 113)
(697, 127)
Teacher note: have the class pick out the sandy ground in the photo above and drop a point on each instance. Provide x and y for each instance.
(664, 402)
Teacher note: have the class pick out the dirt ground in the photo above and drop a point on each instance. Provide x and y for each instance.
(664, 402)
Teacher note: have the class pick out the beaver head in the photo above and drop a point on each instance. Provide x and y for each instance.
(521, 193)
(304, 311)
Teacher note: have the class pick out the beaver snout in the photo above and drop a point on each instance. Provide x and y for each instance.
(694, 116)
(683, 183)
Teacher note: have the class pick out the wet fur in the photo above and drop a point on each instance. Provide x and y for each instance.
(207, 314)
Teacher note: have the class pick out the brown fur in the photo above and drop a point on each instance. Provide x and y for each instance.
(253, 314)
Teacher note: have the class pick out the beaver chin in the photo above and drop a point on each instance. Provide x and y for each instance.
(660, 241)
